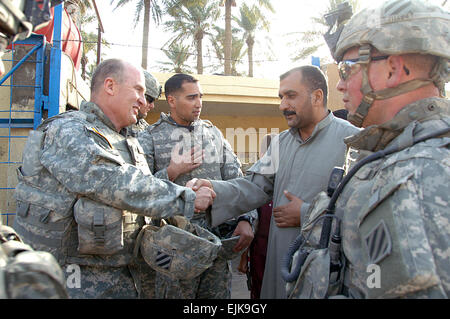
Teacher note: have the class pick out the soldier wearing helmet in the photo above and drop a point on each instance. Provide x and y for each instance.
(152, 93)
(387, 233)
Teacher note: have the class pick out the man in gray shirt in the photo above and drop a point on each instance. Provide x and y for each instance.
(294, 169)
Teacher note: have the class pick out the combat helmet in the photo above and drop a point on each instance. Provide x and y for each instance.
(179, 249)
(152, 87)
(396, 27)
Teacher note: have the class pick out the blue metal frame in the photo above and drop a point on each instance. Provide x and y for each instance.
(41, 102)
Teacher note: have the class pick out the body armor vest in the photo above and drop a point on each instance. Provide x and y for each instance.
(45, 215)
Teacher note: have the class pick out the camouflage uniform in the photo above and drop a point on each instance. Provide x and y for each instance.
(395, 209)
(220, 163)
(140, 126)
(393, 205)
(394, 213)
(82, 195)
(27, 274)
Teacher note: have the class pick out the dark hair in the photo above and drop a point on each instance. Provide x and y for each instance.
(108, 68)
(313, 78)
(175, 82)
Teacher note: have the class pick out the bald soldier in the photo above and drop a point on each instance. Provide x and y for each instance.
(85, 187)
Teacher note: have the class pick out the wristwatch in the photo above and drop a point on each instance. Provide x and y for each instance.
(247, 218)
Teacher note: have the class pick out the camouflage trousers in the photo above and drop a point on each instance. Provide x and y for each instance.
(97, 282)
(213, 283)
(144, 278)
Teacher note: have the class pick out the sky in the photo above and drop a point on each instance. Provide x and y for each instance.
(290, 16)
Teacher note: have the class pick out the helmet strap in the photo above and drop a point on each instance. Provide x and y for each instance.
(369, 96)
(363, 108)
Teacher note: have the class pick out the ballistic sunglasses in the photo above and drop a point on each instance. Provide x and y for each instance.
(349, 67)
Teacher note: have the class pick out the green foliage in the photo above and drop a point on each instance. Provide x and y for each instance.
(190, 22)
(237, 51)
(309, 41)
(252, 19)
(178, 54)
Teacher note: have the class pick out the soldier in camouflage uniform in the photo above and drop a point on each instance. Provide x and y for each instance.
(152, 93)
(178, 147)
(394, 205)
(84, 187)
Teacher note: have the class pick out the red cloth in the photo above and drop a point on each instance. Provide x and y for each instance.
(71, 36)
(258, 250)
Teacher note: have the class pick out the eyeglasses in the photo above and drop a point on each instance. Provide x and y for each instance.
(349, 67)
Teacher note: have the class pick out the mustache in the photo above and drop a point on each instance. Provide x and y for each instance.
(286, 113)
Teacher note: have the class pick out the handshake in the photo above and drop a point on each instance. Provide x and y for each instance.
(204, 193)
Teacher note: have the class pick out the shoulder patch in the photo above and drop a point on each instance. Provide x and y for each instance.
(95, 131)
(378, 243)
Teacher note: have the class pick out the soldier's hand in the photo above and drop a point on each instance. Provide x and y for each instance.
(245, 231)
(203, 199)
(196, 183)
(184, 163)
(288, 215)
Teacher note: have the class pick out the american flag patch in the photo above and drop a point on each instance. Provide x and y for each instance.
(163, 260)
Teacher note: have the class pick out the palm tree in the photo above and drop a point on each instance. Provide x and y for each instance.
(83, 16)
(250, 20)
(150, 7)
(311, 40)
(228, 32)
(178, 54)
(237, 50)
(192, 21)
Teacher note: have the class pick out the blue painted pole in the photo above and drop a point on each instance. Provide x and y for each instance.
(7, 75)
(55, 63)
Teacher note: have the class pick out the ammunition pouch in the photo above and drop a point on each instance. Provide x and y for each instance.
(306, 268)
(315, 276)
(100, 228)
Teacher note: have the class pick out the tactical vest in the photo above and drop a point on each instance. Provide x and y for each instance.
(96, 234)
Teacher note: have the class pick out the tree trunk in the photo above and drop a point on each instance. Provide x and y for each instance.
(147, 4)
(228, 37)
(83, 66)
(250, 42)
(198, 42)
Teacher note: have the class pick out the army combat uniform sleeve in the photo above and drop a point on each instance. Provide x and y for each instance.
(397, 241)
(87, 165)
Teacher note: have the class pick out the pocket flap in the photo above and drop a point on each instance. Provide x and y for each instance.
(380, 195)
(89, 214)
